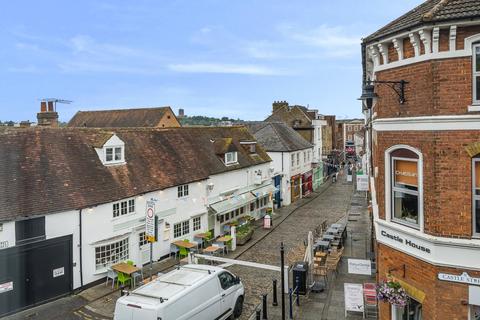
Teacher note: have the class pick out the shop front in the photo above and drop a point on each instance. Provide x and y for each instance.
(317, 176)
(296, 187)
(277, 196)
(307, 183)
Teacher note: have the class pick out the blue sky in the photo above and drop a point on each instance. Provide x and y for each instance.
(210, 57)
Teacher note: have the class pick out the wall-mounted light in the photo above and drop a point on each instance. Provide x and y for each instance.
(397, 86)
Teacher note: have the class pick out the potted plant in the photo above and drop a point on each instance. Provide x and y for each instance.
(392, 292)
(244, 233)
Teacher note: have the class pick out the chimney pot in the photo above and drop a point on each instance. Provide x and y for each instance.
(43, 106)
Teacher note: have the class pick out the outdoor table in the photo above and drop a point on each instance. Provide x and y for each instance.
(332, 230)
(322, 244)
(203, 237)
(212, 249)
(337, 226)
(126, 268)
(184, 244)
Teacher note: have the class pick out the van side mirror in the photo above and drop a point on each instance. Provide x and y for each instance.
(237, 280)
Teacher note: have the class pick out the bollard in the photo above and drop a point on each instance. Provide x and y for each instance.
(257, 312)
(282, 277)
(275, 300)
(290, 302)
(264, 299)
(121, 291)
(297, 283)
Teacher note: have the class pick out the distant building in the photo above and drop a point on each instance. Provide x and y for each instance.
(161, 117)
(346, 129)
(292, 160)
(307, 122)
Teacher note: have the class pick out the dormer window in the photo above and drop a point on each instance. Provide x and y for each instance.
(231, 157)
(249, 146)
(113, 154)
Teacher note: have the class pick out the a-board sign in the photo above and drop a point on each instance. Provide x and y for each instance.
(353, 297)
(362, 182)
(360, 266)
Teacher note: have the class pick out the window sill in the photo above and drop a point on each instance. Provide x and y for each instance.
(406, 224)
(474, 108)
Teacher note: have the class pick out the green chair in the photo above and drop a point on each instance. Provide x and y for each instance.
(123, 278)
(183, 252)
(130, 262)
(186, 240)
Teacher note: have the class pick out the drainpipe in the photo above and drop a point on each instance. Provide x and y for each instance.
(80, 246)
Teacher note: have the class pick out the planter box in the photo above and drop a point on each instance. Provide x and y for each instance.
(245, 238)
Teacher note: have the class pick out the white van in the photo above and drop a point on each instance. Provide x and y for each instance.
(195, 292)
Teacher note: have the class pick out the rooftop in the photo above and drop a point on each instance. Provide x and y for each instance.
(429, 12)
(277, 136)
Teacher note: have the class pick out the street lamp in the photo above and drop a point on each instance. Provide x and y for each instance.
(369, 97)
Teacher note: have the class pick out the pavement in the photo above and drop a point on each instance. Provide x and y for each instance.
(331, 202)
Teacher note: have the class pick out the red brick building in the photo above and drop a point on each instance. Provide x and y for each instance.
(426, 158)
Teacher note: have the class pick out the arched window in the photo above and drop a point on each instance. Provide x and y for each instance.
(404, 184)
(476, 196)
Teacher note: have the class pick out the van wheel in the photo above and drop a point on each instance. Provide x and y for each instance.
(237, 312)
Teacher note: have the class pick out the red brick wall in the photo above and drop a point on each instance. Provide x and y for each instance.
(436, 87)
(444, 41)
(408, 51)
(443, 299)
(465, 32)
(447, 177)
(392, 53)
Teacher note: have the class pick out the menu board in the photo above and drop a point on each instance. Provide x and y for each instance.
(353, 297)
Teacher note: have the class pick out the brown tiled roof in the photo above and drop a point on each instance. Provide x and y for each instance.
(429, 12)
(48, 170)
(277, 136)
(121, 118)
(289, 114)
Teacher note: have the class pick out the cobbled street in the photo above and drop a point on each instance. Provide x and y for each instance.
(330, 204)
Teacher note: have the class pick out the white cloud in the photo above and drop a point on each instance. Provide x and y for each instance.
(246, 69)
(86, 66)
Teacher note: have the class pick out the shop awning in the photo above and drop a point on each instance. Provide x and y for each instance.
(232, 203)
(263, 191)
(413, 292)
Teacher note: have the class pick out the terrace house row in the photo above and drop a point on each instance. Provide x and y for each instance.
(73, 200)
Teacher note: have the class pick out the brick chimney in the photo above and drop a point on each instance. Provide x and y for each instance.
(277, 105)
(47, 117)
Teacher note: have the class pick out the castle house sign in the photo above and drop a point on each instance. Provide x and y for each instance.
(463, 278)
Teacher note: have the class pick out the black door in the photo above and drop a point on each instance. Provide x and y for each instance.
(35, 272)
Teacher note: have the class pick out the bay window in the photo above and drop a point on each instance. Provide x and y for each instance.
(111, 254)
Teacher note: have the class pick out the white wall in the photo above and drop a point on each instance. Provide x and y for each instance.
(64, 224)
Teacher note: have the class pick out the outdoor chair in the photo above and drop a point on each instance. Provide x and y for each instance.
(332, 263)
(174, 249)
(135, 275)
(321, 271)
(123, 278)
(111, 274)
(183, 252)
(370, 300)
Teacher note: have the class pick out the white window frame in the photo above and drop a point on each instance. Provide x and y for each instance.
(388, 186)
(234, 156)
(123, 208)
(183, 191)
(474, 197)
(475, 74)
(142, 239)
(184, 228)
(292, 157)
(114, 149)
(403, 190)
(116, 259)
(197, 223)
(298, 158)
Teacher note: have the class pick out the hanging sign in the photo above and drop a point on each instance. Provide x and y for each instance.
(150, 221)
(353, 297)
(463, 278)
(360, 266)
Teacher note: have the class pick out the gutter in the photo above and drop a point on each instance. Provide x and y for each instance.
(80, 246)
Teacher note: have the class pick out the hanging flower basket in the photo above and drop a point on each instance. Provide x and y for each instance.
(392, 292)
